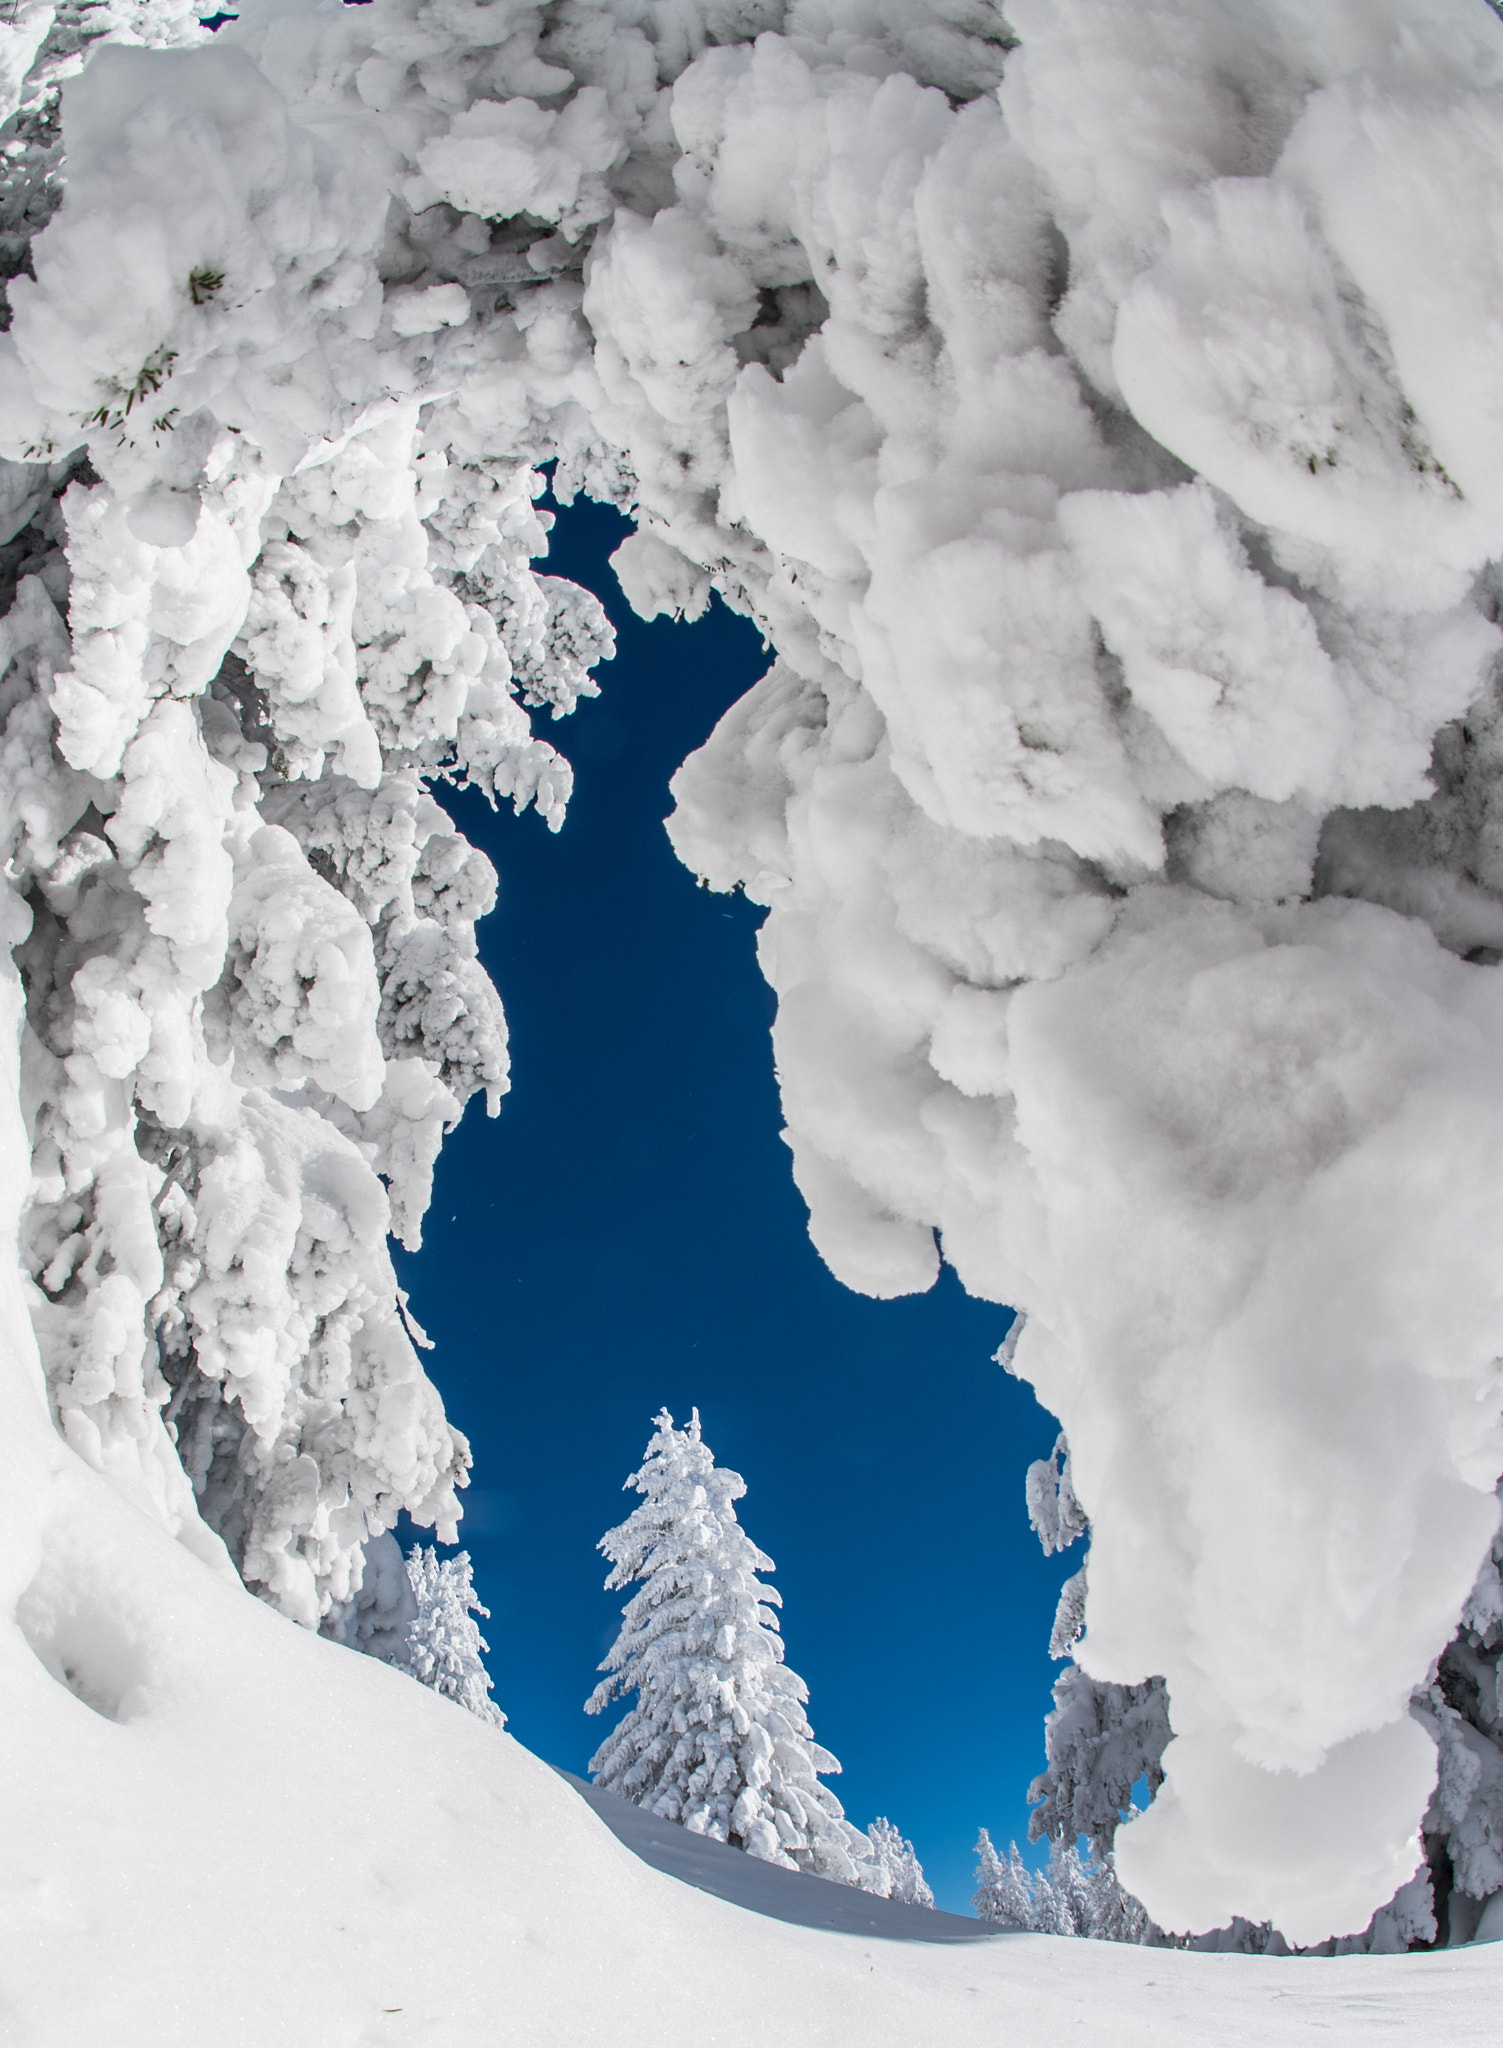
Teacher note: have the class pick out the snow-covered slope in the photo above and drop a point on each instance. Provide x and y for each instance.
(799, 1897)
(219, 1828)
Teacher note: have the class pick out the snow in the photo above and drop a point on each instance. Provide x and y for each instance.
(365, 1861)
(1104, 432)
(1035, 663)
(800, 1898)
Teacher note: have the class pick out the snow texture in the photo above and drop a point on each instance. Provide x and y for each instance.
(1105, 1743)
(717, 1738)
(412, 1873)
(1099, 412)
(1120, 803)
(263, 598)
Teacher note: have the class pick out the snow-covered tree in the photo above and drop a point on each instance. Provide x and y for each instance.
(1076, 1895)
(1079, 1895)
(718, 1738)
(1004, 1890)
(1463, 1705)
(444, 1647)
(254, 1000)
(1101, 1740)
(899, 1874)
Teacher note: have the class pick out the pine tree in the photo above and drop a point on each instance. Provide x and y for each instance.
(899, 1873)
(718, 1739)
(1003, 1894)
(444, 1645)
(1078, 1895)
(1101, 1740)
(1462, 1705)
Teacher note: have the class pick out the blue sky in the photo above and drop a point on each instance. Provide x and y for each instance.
(627, 1235)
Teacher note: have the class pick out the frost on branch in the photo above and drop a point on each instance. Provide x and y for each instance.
(1054, 1513)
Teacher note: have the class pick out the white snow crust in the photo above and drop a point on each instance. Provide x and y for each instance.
(1106, 432)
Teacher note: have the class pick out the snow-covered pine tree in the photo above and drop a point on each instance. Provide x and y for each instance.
(899, 1870)
(254, 1001)
(1463, 1833)
(1101, 1740)
(444, 1645)
(718, 1738)
(1078, 1895)
(1003, 1893)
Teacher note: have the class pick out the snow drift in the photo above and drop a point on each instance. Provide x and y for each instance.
(1100, 412)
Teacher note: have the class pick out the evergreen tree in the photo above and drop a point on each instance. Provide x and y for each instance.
(900, 1874)
(1462, 1705)
(444, 1644)
(1101, 1740)
(1003, 1892)
(718, 1739)
(1078, 1895)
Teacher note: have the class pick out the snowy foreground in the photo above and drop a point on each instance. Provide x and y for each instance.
(237, 1833)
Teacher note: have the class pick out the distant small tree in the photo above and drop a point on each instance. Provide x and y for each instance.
(718, 1739)
(1004, 1894)
(444, 1647)
(1101, 1740)
(897, 1871)
(1077, 1895)
(1080, 1895)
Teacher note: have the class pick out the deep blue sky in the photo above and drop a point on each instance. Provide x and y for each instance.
(627, 1235)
